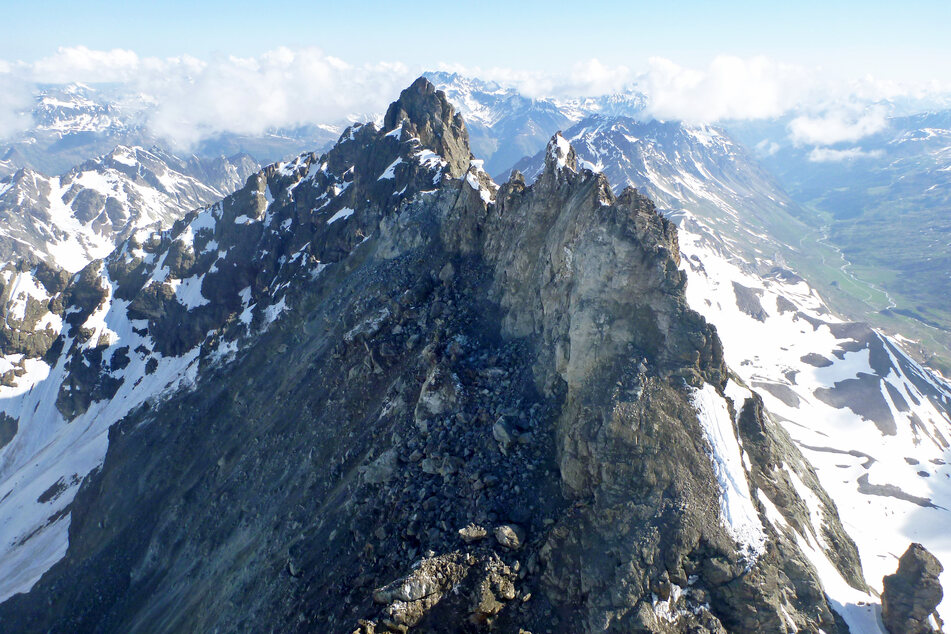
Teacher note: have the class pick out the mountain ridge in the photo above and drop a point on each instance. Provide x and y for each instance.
(466, 427)
(823, 377)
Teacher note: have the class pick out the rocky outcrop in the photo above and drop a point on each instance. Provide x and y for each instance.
(775, 462)
(433, 120)
(450, 406)
(912, 594)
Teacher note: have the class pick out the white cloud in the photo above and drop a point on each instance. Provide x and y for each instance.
(251, 95)
(186, 99)
(828, 155)
(729, 88)
(594, 78)
(16, 98)
(766, 147)
(838, 125)
(80, 64)
(191, 99)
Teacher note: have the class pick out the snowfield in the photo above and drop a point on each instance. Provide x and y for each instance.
(886, 466)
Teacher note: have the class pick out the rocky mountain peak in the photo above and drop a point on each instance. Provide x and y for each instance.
(427, 114)
(560, 155)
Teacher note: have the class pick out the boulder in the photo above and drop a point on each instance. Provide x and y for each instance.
(911, 595)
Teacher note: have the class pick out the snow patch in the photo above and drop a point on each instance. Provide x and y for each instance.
(390, 172)
(736, 504)
(188, 292)
(343, 214)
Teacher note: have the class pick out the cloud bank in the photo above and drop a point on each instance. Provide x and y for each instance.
(829, 155)
(838, 125)
(16, 97)
(185, 99)
(729, 88)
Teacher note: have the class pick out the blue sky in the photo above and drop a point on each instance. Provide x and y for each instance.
(893, 40)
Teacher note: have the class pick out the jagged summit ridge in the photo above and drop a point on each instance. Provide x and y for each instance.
(430, 117)
(392, 363)
(821, 376)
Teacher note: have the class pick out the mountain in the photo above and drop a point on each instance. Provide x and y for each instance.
(75, 123)
(372, 390)
(78, 217)
(882, 200)
(867, 264)
(72, 124)
(694, 169)
(875, 424)
(505, 126)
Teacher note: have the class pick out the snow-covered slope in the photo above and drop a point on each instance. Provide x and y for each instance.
(505, 126)
(875, 424)
(885, 200)
(80, 216)
(76, 108)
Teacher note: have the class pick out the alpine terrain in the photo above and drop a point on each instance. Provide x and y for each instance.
(81, 215)
(73, 123)
(875, 424)
(372, 390)
(882, 201)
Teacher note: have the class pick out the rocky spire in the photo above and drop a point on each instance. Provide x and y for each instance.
(429, 116)
(560, 155)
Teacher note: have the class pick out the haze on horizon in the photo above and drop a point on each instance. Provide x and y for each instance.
(205, 68)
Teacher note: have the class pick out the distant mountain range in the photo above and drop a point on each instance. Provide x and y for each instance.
(76, 122)
(505, 126)
(80, 216)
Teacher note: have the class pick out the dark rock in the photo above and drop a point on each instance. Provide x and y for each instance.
(747, 300)
(912, 594)
(8, 429)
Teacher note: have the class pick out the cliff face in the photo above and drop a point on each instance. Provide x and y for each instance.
(420, 401)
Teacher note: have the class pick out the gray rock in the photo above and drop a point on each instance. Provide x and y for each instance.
(510, 536)
(472, 533)
(382, 469)
(911, 595)
(502, 434)
(447, 273)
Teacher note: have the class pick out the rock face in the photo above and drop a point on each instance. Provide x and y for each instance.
(873, 424)
(419, 400)
(433, 120)
(912, 594)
